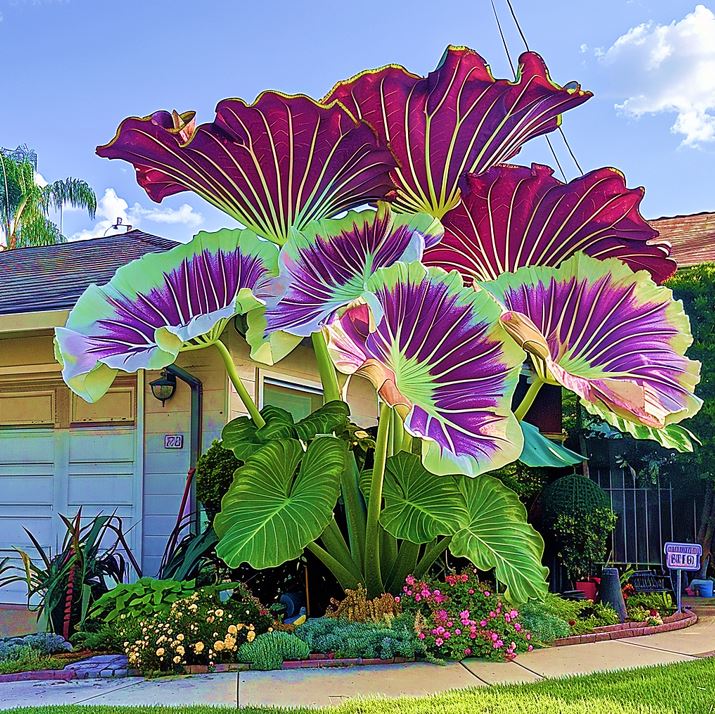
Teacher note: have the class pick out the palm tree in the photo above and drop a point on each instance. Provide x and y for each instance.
(25, 205)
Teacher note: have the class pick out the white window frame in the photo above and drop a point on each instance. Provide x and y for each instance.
(279, 379)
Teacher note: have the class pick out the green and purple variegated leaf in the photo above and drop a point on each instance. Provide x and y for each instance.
(326, 266)
(458, 119)
(278, 163)
(608, 334)
(511, 217)
(163, 303)
(436, 351)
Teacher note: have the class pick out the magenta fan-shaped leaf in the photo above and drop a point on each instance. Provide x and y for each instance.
(456, 120)
(163, 303)
(608, 334)
(512, 217)
(278, 163)
(439, 355)
(326, 266)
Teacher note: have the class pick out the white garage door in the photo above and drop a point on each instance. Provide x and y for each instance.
(46, 472)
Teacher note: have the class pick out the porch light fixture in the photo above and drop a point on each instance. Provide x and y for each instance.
(163, 388)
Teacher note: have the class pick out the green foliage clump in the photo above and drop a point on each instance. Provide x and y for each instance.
(42, 643)
(527, 481)
(545, 627)
(144, 598)
(344, 638)
(214, 474)
(271, 649)
(98, 637)
(662, 602)
(583, 539)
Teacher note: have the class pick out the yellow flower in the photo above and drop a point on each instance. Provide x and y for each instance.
(239, 626)
(199, 647)
(160, 652)
(218, 645)
(251, 636)
(180, 650)
(219, 613)
(232, 629)
(180, 637)
(177, 660)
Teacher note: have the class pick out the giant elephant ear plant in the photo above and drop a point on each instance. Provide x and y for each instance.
(383, 223)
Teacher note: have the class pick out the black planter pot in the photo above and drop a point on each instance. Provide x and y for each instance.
(610, 591)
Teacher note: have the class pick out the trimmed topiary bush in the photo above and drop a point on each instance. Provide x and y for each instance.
(271, 649)
(573, 494)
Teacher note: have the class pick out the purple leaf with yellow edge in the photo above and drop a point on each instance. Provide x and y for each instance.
(278, 163)
(512, 217)
(438, 353)
(610, 335)
(162, 304)
(458, 119)
(326, 266)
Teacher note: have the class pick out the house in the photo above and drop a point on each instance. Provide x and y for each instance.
(58, 453)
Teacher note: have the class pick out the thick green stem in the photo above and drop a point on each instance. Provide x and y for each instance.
(354, 510)
(430, 556)
(344, 577)
(523, 409)
(328, 375)
(404, 565)
(373, 578)
(335, 544)
(388, 553)
(243, 394)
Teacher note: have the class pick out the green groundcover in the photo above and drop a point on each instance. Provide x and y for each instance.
(673, 689)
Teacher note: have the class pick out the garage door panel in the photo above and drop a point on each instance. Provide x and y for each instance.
(17, 444)
(91, 446)
(108, 490)
(29, 489)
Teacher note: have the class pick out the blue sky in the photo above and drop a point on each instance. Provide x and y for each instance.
(74, 68)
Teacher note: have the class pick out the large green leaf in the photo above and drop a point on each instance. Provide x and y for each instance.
(280, 500)
(329, 418)
(672, 436)
(497, 535)
(541, 451)
(419, 506)
(243, 438)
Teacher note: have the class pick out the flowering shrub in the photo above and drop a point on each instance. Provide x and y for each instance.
(461, 617)
(199, 629)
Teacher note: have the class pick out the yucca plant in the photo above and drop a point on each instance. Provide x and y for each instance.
(71, 581)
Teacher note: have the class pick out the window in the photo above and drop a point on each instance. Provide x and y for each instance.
(300, 400)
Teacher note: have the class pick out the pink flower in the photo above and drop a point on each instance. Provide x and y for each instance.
(500, 644)
(464, 614)
(457, 632)
(495, 637)
(514, 613)
(439, 599)
(528, 635)
(472, 635)
(447, 634)
(530, 647)
(513, 646)
(483, 623)
(492, 613)
(517, 627)
(417, 597)
(421, 636)
(440, 630)
(487, 593)
(410, 579)
(439, 642)
(468, 651)
(471, 591)
(397, 599)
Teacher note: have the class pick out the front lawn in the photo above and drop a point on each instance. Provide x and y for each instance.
(687, 688)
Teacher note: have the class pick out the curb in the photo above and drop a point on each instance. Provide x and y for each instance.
(678, 621)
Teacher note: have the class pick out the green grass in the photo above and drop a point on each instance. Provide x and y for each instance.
(687, 688)
(32, 661)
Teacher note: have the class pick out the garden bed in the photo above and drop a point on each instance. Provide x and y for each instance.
(677, 621)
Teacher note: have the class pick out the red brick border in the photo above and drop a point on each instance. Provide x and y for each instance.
(678, 621)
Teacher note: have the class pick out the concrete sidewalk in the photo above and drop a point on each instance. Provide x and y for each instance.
(310, 687)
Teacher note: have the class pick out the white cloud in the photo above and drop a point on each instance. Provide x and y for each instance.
(669, 69)
(111, 207)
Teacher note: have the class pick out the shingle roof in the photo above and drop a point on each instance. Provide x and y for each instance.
(53, 277)
(692, 237)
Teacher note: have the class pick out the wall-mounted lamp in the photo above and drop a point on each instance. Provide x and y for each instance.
(163, 388)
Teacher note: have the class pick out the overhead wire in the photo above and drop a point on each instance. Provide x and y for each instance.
(526, 45)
